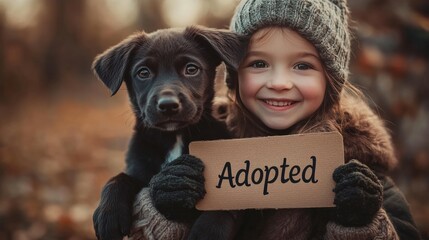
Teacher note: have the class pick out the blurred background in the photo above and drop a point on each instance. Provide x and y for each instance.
(62, 136)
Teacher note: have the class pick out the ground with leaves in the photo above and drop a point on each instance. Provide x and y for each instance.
(56, 153)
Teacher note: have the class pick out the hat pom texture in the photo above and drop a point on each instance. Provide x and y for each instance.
(324, 23)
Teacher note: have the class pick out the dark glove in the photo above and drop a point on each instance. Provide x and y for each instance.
(176, 189)
(113, 217)
(358, 194)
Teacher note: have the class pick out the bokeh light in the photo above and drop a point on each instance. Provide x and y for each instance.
(182, 13)
(21, 13)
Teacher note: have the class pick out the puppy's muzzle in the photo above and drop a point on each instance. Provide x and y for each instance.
(168, 103)
(168, 106)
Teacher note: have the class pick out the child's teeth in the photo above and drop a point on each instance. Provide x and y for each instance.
(277, 103)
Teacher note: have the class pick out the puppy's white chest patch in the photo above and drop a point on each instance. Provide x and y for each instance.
(176, 150)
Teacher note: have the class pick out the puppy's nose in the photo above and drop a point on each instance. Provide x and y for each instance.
(168, 105)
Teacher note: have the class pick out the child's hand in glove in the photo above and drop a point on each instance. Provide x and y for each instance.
(176, 189)
(358, 194)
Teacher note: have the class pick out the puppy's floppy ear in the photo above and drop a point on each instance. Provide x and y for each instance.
(110, 66)
(229, 47)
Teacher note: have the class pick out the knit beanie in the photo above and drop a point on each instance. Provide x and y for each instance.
(324, 23)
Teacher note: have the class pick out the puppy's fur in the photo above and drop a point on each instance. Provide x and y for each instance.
(169, 76)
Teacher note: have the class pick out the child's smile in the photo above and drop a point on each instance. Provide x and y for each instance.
(279, 104)
(281, 80)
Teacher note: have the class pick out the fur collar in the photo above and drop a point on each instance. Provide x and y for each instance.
(365, 137)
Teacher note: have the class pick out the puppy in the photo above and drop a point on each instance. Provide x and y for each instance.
(169, 76)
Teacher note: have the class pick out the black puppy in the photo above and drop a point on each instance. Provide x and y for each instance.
(169, 76)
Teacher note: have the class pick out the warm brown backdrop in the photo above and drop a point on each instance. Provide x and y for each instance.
(62, 136)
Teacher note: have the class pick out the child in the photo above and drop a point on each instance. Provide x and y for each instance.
(294, 80)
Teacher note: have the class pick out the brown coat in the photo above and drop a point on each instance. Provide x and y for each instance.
(365, 139)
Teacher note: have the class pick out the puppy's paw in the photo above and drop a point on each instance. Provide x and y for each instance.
(177, 188)
(113, 217)
(358, 194)
(112, 224)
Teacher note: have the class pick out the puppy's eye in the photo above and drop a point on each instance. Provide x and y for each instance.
(191, 69)
(144, 73)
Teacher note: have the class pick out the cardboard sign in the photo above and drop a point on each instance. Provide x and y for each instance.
(293, 171)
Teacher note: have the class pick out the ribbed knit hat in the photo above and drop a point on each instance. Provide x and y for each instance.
(322, 22)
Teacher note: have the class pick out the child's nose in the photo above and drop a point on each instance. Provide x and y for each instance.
(280, 80)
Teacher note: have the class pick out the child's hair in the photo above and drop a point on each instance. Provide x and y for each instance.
(324, 23)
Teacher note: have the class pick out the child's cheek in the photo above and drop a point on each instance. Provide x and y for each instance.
(249, 84)
(312, 90)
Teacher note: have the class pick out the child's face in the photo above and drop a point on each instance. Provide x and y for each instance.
(281, 80)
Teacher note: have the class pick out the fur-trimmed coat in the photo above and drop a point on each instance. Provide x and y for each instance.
(365, 139)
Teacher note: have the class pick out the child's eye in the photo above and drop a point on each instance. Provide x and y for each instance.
(303, 66)
(258, 64)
